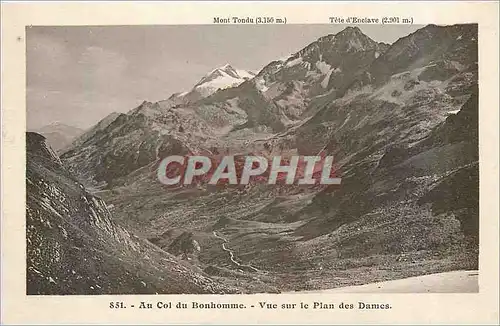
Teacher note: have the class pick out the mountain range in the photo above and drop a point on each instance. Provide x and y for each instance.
(59, 135)
(401, 121)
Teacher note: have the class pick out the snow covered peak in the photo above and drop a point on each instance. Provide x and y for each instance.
(225, 71)
(221, 78)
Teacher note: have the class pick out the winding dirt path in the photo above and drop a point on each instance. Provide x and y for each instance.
(231, 254)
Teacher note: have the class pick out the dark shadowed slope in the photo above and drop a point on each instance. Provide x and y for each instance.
(74, 247)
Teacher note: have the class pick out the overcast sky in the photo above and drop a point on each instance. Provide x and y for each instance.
(78, 75)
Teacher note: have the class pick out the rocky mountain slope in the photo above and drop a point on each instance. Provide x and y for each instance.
(325, 66)
(400, 121)
(75, 247)
(204, 120)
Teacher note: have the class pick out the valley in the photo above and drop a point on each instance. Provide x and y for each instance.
(400, 120)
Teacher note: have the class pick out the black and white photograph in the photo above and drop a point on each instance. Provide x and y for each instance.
(244, 159)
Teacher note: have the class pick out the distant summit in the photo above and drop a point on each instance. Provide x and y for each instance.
(59, 135)
(219, 78)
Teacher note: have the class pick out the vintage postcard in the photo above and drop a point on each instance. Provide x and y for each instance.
(250, 163)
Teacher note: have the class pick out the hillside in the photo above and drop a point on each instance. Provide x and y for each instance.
(75, 247)
(400, 120)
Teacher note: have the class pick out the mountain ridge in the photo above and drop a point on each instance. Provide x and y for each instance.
(399, 120)
(75, 247)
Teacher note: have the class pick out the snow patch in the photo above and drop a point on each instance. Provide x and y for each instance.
(222, 82)
(323, 67)
(294, 62)
(260, 84)
(220, 78)
(326, 80)
(453, 112)
(244, 74)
